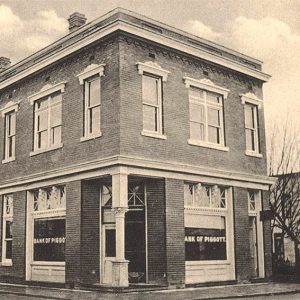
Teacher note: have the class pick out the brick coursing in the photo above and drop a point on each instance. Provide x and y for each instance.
(241, 234)
(156, 234)
(175, 247)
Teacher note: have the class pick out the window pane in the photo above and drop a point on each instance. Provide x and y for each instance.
(11, 146)
(56, 115)
(202, 196)
(94, 92)
(42, 139)
(95, 120)
(56, 135)
(249, 116)
(8, 229)
(40, 104)
(150, 90)
(8, 250)
(214, 135)
(213, 98)
(197, 131)
(250, 144)
(188, 194)
(110, 242)
(11, 124)
(56, 98)
(197, 113)
(213, 117)
(42, 120)
(49, 240)
(196, 93)
(149, 118)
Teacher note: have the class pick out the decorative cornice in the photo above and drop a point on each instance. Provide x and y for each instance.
(251, 98)
(206, 84)
(10, 106)
(91, 70)
(47, 90)
(153, 68)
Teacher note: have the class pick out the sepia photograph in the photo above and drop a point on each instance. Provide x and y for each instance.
(150, 149)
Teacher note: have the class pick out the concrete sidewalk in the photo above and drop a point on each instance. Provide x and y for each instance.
(216, 292)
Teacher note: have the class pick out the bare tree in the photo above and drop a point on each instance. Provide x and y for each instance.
(284, 158)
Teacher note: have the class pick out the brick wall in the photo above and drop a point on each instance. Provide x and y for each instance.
(241, 234)
(90, 235)
(156, 234)
(73, 151)
(73, 233)
(267, 237)
(16, 272)
(176, 111)
(175, 247)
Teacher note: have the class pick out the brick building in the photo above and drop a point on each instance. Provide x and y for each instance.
(133, 152)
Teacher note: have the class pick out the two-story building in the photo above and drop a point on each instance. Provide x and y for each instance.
(132, 151)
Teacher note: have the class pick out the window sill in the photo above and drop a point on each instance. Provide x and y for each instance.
(36, 152)
(6, 264)
(90, 137)
(206, 262)
(154, 135)
(254, 154)
(208, 145)
(7, 160)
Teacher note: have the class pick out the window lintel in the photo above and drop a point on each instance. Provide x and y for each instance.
(91, 70)
(252, 99)
(10, 106)
(206, 84)
(152, 68)
(47, 90)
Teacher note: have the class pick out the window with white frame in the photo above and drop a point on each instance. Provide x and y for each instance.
(90, 78)
(48, 121)
(7, 234)
(251, 128)
(153, 77)
(252, 201)
(10, 135)
(152, 104)
(92, 106)
(206, 116)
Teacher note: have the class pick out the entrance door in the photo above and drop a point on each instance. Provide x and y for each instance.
(108, 251)
(253, 246)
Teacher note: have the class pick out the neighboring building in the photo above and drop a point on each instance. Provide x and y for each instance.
(133, 150)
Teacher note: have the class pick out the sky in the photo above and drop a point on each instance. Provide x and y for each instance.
(268, 30)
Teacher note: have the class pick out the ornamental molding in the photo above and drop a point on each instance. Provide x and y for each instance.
(47, 90)
(251, 98)
(91, 70)
(153, 68)
(10, 106)
(206, 84)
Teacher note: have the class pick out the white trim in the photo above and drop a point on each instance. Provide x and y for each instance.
(10, 106)
(155, 37)
(254, 154)
(47, 90)
(152, 68)
(91, 70)
(91, 137)
(206, 84)
(207, 145)
(8, 160)
(154, 135)
(36, 152)
(251, 98)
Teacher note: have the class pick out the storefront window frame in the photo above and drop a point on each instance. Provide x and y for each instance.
(7, 216)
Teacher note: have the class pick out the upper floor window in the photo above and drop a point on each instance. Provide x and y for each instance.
(251, 106)
(206, 113)
(7, 235)
(9, 113)
(47, 118)
(90, 79)
(152, 94)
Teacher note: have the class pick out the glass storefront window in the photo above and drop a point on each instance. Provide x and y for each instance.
(49, 239)
(206, 243)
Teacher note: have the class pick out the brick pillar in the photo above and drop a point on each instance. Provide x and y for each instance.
(156, 233)
(90, 234)
(241, 234)
(267, 236)
(175, 247)
(73, 233)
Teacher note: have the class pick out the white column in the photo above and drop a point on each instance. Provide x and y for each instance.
(120, 232)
